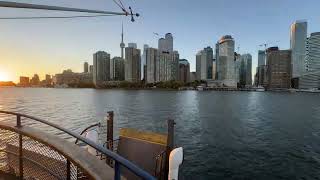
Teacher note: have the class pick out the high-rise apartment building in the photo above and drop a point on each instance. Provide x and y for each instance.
(144, 62)
(184, 71)
(167, 63)
(151, 62)
(86, 67)
(167, 67)
(311, 78)
(204, 60)
(24, 81)
(166, 44)
(214, 68)
(175, 66)
(132, 45)
(91, 69)
(117, 69)
(35, 80)
(169, 42)
(237, 61)
(193, 76)
(132, 64)
(48, 79)
(101, 68)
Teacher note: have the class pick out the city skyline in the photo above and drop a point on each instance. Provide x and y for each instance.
(64, 44)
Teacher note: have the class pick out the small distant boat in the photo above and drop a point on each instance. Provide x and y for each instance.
(61, 86)
(260, 89)
(200, 88)
(312, 90)
(292, 90)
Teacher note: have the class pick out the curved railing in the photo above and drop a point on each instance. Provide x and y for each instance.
(87, 128)
(119, 160)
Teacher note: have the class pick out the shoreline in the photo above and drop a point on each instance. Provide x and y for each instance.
(185, 89)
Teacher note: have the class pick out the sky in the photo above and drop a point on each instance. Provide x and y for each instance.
(52, 45)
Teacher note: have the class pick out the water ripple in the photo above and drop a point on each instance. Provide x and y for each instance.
(226, 135)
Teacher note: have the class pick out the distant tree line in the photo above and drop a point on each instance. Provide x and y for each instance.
(139, 85)
(7, 83)
(81, 85)
(161, 85)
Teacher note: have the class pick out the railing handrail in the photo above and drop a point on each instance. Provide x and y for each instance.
(124, 162)
(87, 128)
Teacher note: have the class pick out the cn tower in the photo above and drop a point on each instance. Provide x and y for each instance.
(122, 45)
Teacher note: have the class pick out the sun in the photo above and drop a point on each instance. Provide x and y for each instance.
(4, 76)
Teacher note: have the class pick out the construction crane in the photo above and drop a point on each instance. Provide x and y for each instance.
(124, 12)
(266, 45)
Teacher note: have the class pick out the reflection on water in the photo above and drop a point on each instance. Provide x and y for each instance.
(226, 135)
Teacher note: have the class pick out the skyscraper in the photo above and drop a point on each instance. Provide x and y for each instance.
(162, 45)
(193, 76)
(144, 62)
(313, 53)
(261, 71)
(24, 81)
(261, 58)
(48, 79)
(132, 64)
(132, 45)
(151, 60)
(237, 59)
(174, 67)
(101, 68)
(162, 66)
(166, 44)
(311, 78)
(225, 61)
(184, 71)
(298, 36)
(86, 67)
(91, 69)
(279, 68)
(35, 80)
(169, 42)
(245, 70)
(214, 68)
(204, 60)
(122, 45)
(117, 69)
(167, 64)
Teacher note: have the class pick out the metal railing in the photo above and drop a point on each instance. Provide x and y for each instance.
(160, 165)
(88, 128)
(118, 160)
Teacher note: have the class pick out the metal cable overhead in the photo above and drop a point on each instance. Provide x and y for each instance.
(54, 17)
(120, 5)
(58, 8)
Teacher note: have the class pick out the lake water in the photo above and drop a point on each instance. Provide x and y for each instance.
(226, 135)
